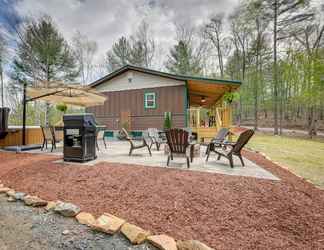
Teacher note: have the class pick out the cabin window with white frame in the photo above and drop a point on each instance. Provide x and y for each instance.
(150, 100)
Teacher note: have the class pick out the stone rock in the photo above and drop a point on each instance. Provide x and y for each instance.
(11, 193)
(4, 190)
(134, 234)
(16, 195)
(67, 209)
(1, 185)
(34, 201)
(192, 245)
(11, 199)
(50, 205)
(108, 223)
(66, 232)
(163, 242)
(86, 218)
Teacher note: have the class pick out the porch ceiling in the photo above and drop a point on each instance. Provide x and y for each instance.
(210, 91)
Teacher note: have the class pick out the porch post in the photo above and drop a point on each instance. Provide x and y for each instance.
(198, 117)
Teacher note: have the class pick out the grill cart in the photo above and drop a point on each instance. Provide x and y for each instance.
(79, 137)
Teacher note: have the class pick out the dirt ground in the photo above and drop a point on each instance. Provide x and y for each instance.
(26, 228)
(226, 212)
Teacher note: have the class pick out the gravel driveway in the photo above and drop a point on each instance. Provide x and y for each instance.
(23, 227)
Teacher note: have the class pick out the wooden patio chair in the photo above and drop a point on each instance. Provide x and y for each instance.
(178, 144)
(135, 144)
(218, 139)
(49, 137)
(100, 135)
(155, 137)
(235, 148)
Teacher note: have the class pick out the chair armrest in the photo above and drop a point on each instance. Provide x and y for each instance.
(228, 143)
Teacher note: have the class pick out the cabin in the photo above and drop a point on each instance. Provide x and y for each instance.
(140, 98)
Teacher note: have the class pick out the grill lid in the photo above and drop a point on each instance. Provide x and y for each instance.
(85, 120)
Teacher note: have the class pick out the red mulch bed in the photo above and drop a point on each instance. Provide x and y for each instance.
(226, 212)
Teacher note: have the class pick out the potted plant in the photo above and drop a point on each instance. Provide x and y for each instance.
(229, 97)
(61, 107)
(167, 121)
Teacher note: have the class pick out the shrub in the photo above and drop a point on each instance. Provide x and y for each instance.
(167, 120)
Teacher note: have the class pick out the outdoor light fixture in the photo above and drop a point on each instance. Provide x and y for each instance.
(203, 99)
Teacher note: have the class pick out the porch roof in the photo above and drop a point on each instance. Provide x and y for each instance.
(205, 92)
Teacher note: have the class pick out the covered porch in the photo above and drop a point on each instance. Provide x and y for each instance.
(209, 106)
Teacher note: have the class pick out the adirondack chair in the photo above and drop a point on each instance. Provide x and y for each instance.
(49, 137)
(153, 134)
(178, 143)
(230, 149)
(100, 135)
(135, 144)
(218, 139)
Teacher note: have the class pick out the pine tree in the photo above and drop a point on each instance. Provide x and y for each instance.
(43, 55)
(183, 61)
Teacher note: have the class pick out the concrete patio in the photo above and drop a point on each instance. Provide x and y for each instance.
(117, 152)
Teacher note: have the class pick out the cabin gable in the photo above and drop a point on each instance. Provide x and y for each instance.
(131, 80)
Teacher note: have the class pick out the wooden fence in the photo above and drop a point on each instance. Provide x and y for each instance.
(14, 137)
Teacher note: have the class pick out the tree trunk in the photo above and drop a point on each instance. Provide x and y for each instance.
(275, 69)
(312, 129)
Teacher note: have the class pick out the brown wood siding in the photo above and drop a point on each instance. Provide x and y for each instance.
(14, 137)
(168, 99)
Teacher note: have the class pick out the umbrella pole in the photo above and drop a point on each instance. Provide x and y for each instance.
(24, 115)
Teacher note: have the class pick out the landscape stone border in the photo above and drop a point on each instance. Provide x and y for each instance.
(106, 223)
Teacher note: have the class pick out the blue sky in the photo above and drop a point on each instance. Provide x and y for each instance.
(8, 15)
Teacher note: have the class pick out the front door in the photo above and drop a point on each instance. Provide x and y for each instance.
(125, 120)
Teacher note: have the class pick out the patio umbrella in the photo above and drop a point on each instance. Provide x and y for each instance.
(58, 92)
(67, 94)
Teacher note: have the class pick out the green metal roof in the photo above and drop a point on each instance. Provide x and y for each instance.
(162, 74)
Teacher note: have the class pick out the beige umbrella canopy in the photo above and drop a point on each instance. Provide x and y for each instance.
(72, 94)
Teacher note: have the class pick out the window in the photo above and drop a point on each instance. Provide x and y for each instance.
(150, 100)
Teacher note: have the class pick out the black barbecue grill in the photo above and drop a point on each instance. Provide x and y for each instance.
(79, 137)
(4, 115)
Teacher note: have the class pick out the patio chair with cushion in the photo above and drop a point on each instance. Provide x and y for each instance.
(49, 137)
(155, 137)
(218, 139)
(178, 145)
(229, 149)
(136, 144)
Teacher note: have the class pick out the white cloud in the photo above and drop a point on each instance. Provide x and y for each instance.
(106, 20)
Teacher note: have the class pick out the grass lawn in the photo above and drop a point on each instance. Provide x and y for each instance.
(303, 157)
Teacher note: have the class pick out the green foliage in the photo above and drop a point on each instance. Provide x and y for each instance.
(43, 54)
(167, 120)
(61, 107)
(183, 61)
(119, 55)
(229, 97)
(137, 50)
